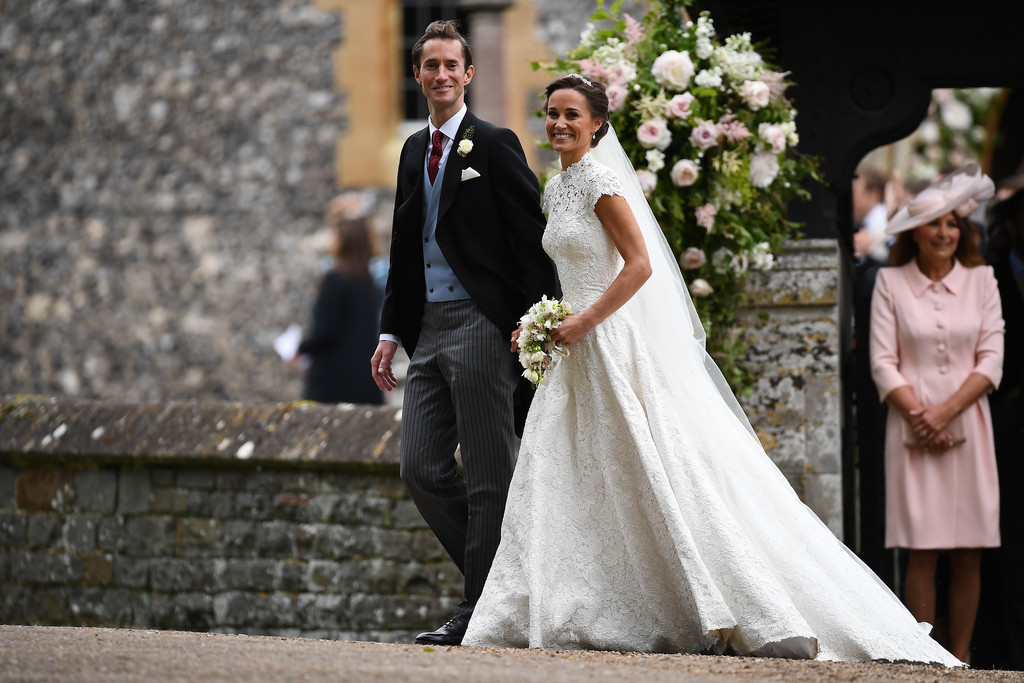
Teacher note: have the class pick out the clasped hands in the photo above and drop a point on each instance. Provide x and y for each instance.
(929, 424)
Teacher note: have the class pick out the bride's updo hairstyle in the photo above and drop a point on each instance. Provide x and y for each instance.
(593, 91)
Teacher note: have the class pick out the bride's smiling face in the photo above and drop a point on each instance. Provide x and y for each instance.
(569, 124)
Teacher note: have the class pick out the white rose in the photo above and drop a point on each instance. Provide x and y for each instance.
(700, 288)
(673, 69)
(956, 115)
(685, 173)
(756, 94)
(655, 160)
(774, 134)
(537, 357)
(465, 147)
(648, 181)
(532, 375)
(764, 166)
(654, 133)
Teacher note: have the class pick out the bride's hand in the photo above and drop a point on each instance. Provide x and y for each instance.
(515, 340)
(571, 330)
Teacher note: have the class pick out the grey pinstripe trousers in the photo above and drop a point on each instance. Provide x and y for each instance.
(458, 392)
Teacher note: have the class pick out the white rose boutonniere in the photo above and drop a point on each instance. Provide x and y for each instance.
(466, 143)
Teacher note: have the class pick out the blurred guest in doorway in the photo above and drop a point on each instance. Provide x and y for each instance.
(999, 642)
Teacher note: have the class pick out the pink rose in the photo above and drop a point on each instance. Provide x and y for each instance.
(692, 258)
(648, 181)
(616, 96)
(705, 136)
(706, 216)
(679, 106)
(654, 133)
(685, 173)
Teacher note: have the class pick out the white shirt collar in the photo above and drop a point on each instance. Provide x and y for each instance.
(450, 128)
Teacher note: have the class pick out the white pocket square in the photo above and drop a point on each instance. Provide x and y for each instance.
(469, 173)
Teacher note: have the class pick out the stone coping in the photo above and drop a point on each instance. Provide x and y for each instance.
(44, 430)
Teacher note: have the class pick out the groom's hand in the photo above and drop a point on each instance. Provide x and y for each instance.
(380, 365)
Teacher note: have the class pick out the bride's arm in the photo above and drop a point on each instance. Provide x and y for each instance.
(618, 220)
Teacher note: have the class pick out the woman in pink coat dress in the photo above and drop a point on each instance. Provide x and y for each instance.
(936, 352)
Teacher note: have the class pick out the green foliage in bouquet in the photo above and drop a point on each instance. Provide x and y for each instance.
(713, 140)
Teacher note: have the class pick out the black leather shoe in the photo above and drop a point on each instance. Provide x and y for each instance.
(449, 634)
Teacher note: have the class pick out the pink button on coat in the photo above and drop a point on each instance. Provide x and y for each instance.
(932, 336)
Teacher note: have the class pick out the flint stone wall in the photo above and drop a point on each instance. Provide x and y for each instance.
(276, 519)
(164, 168)
(792, 330)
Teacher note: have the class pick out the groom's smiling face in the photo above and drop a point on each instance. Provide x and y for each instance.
(442, 74)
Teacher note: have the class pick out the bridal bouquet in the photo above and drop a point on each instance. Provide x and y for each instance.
(712, 137)
(535, 345)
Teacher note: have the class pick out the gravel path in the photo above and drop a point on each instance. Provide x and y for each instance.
(57, 654)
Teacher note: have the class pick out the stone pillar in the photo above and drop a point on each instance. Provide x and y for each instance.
(487, 91)
(792, 328)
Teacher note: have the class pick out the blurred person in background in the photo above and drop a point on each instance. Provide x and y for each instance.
(343, 329)
(1000, 635)
(936, 352)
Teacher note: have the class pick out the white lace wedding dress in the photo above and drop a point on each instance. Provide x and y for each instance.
(632, 527)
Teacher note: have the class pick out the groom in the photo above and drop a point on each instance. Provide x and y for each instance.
(466, 263)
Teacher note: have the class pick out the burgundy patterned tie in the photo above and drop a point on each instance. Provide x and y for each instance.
(435, 156)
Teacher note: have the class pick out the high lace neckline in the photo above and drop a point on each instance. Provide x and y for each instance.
(576, 167)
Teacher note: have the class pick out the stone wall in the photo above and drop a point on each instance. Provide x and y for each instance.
(164, 168)
(792, 329)
(273, 519)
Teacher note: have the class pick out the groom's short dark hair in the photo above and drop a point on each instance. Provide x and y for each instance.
(445, 30)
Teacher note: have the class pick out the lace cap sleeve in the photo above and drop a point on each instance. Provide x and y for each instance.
(602, 181)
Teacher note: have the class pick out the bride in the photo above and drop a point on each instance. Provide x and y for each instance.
(643, 514)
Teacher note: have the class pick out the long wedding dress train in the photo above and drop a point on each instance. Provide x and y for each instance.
(633, 525)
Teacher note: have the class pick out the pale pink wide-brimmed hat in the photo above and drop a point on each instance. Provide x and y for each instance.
(957, 192)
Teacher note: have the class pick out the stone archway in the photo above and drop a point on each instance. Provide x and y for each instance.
(863, 79)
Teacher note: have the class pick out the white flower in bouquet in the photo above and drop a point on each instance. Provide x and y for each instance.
(701, 288)
(655, 160)
(709, 78)
(774, 134)
(764, 167)
(654, 134)
(648, 181)
(762, 257)
(685, 173)
(956, 115)
(535, 345)
(673, 69)
(756, 94)
(704, 48)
